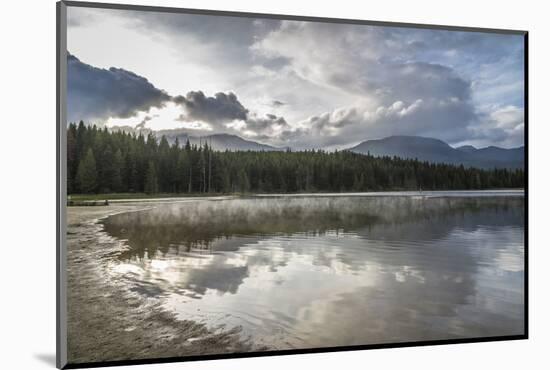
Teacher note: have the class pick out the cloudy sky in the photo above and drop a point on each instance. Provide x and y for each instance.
(289, 83)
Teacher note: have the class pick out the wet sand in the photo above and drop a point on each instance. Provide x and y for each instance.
(108, 322)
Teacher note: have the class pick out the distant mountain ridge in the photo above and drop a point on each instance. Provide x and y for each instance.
(410, 147)
(438, 151)
(219, 142)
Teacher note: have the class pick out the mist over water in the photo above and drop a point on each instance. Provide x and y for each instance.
(299, 272)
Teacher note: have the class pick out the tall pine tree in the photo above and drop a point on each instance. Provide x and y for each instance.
(117, 172)
(151, 179)
(100, 160)
(87, 173)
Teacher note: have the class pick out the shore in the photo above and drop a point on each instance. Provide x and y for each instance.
(107, 322)
(102, 199)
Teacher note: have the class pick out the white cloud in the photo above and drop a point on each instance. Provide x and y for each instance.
(508, 117)
(339, 83)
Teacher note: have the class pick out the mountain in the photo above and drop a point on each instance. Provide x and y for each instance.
(219, 142)
(421, 148)
(467, 148)
(438, 151)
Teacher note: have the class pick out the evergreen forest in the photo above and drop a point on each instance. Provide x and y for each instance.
(104, 161)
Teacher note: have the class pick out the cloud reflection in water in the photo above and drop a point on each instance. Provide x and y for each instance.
(310, 272)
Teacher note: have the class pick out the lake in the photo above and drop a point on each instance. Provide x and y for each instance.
(312, 270)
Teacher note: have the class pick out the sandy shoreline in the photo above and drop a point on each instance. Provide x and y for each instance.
(106, 321)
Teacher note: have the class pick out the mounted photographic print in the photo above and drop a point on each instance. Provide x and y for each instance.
(236, 184)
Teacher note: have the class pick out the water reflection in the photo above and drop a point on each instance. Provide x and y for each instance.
(327, 271)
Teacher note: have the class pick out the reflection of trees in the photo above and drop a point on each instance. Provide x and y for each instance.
(434, 222)
(420, 250)
(199, 227)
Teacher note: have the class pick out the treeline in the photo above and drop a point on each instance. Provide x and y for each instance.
(100, 161)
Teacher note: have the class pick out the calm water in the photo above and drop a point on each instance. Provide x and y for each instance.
(298, 272)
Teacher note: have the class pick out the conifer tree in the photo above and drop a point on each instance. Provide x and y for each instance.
(151, 180)
(99, 160)
(87, 173)
(72, 160)
(118, 170)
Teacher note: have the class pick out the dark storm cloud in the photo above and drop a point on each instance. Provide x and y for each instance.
(95, 94)
(223, 108)
(263, 124)
(220, 108)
